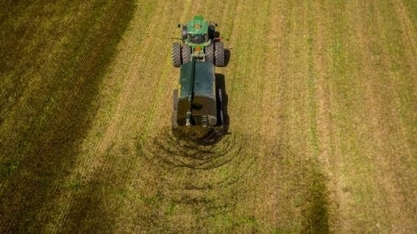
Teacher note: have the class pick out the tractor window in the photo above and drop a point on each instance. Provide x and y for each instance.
(197, 38)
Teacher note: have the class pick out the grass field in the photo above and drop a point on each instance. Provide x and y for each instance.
(321, 97)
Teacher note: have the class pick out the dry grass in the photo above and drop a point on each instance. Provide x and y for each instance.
(321, 100)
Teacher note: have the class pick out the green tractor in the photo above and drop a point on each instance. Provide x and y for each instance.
(199, 43)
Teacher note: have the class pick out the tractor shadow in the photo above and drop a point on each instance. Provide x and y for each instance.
(226, 57)
(221, 85)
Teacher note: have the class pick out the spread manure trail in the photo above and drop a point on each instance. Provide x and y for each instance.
(192, 184)
(173, 151)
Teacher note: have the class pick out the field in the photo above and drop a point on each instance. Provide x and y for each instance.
(321, 99)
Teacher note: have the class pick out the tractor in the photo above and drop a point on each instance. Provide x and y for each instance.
(199, 43)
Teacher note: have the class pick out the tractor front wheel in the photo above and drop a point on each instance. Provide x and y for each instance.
(210, 53)
(186, 54)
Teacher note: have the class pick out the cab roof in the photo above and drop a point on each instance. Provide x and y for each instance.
(197, 25)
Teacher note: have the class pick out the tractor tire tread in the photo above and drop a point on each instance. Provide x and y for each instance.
(219, 54)
(176, 54)
(186, 54)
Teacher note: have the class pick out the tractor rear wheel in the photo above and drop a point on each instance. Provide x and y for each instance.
(186, 54)
(219, 54)
(210, 53)
(176, 54)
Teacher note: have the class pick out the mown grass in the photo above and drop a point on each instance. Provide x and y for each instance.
(290, 164)
(53, 56)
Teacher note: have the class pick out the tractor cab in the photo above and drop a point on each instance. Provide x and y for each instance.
(197, 31)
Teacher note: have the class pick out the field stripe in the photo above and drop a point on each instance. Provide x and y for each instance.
(369, 64)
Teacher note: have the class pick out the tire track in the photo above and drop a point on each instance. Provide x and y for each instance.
(323, 215)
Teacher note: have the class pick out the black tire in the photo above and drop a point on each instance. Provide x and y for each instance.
(176, 54)
(210, 53)
(211, 32)
(184, 32)
(219, 54)
(186, 54)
